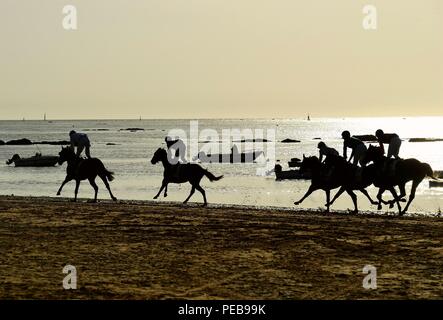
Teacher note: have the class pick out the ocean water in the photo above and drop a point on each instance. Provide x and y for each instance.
(138, 179)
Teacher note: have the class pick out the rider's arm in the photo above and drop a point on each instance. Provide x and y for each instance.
(381, 145)
(344, 151)
(352, 155)
(321, 156)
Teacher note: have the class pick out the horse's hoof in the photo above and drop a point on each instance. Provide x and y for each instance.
(155, 198)
(379, 207)
(166, 195)
(296, 203)
(402, 213)
(114, 199)
(391, 205)
(92, 201)
(58, 193)
(204, 205)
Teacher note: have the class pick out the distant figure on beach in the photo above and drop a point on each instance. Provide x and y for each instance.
(326, 151)
(179, 148)
(357, 146)
(392, 139)
(81, 141)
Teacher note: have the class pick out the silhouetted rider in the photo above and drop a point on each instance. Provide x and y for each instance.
(326, 151)
(357, 146)
(179, 148)
(81, 141)
(392, 139)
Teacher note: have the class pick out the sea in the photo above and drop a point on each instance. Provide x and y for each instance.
(128, 154)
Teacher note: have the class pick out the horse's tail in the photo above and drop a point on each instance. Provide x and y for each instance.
(109, 175)
(211, 177)
(429, 172)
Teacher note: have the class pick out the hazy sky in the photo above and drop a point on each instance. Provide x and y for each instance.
(220, 58)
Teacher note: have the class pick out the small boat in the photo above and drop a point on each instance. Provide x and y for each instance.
(36, 161)
(435, 184)
(247, 157)
(294, 163)
(289, 174)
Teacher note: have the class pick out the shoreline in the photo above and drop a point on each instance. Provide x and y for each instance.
(179, 205)
(158, 250)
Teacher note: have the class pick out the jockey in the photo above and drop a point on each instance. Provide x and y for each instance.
(179, 148)
(81, 141)
(392, 139)
(326, 151)
(357, 146)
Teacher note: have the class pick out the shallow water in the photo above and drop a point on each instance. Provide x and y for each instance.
(137, 178)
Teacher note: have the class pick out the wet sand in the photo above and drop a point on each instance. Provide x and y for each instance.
(147, 250)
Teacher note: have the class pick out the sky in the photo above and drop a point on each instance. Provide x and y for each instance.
(220, 59)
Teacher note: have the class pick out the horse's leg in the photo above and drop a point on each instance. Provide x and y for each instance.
(400, 197)
(77, 186)
(354, 199)
(415, 184)
(166, 191)
(94, 185)
(379, 197)
(105, 181)
(199, 188)
(328, 198)
(67, 179)
(362, 190)
(338, 194)
(311, 189)
(164, 185)
(394, 194)
(190, 195)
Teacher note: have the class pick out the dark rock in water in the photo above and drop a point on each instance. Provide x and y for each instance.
(2, 143)
(55, 143)
(317, 139)
(252, 140)
(424, 140)
(366, 137)
(19, 142)
(290, 141)
(111, 144)
(95, 129)
(132, 129)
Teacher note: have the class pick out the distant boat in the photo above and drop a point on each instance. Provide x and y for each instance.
(248, 157)
(44, 117)
(309, 118)
(36, 161)
(289, 174)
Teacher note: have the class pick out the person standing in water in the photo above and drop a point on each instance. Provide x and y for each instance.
(357, 146)
(81, 141)
(392, 139)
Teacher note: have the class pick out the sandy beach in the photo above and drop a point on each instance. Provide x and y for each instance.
(147, 250)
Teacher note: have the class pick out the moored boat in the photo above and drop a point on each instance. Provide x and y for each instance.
(36, 161)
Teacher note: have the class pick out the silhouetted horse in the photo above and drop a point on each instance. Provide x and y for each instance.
(353, 178)
(392, 172)
(322, 178)
(81, 169)
(181, 173)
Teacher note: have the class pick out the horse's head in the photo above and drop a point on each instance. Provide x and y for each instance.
(65, 155)
(159, 155)
(373, 154)
(309, 164)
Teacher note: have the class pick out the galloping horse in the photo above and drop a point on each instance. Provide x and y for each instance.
(81, 169)
(181, 173)
(321, 178)
(391, 173)
(353, 178)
